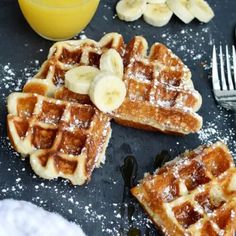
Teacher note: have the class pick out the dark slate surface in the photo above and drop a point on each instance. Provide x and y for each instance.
(102, 206)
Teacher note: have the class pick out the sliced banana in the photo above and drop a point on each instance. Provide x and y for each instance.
(111, 61)
(180, 9)
(201, 10)
(78, 79)
(107, 91)
(232, 184)
(130, 10)
(156, 1)
(157, 14)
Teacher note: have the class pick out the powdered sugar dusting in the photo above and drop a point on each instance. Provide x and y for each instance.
(219, 129)
(190, 42)
(12, 80)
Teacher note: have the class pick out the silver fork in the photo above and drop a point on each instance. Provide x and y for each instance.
(224, 86)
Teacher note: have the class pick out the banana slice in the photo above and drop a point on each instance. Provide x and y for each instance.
(157, 14)
(180, 9)
(79, 79)
(107, 91)
(111, 61)
(201, 10)
(156, 1)
(130, 10)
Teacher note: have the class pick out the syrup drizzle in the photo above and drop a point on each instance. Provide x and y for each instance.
(129, 174)
(161, 159)
(134, 232)
(129, 171)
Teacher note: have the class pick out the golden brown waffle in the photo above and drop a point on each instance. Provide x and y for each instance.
(160, 93)
(193, 195)
(63, 139)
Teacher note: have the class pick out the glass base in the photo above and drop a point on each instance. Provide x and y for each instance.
(55, 39)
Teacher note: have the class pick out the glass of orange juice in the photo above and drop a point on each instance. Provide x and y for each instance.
(58, 19)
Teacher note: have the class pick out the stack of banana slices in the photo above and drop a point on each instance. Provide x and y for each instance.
(159, 12)
(104, 86)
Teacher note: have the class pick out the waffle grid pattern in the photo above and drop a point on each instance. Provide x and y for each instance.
(63, 139)
(194, 194)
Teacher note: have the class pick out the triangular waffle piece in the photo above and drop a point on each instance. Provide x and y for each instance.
(63, 139)
(160, 93)
(195, 194)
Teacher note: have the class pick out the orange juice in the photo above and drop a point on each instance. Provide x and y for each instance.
(58, 19)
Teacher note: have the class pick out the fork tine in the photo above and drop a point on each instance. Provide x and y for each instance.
(215, 75)
(223, 81)
(234, 64)
(229, 77)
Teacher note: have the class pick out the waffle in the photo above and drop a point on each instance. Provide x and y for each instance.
(160, 92)
(193, 195)
(62, 139)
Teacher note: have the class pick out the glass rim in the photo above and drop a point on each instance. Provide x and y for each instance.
(82, 2)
